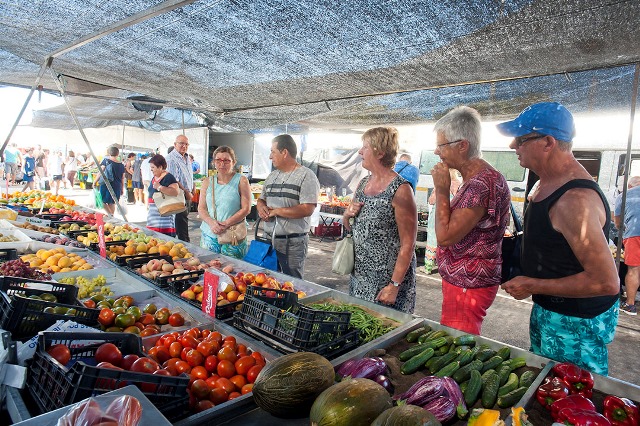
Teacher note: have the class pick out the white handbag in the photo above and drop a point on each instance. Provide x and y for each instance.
(169, 205)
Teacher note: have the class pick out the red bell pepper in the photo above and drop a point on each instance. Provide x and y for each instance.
(621, 411)
(573, 417)
(579, 381)
(551, 390)
(574, 402)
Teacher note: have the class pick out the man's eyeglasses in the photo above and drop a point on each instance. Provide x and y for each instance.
(220, 161)
(449, 143)
(520, 142)
(182, 143)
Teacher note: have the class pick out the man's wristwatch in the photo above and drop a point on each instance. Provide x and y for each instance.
(395, 283)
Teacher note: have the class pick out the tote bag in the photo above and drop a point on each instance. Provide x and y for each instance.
(168, 205)
(511, 247)
(261, 251)
(343, 257)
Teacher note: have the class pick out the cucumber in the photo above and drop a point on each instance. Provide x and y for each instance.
(512, 398)
(465, 371)
(517, 363)
(486, 375)
(485, 354)
(504, 353)
(474, 386)
(465, 357)
(503, 372)
(412, 336)
(491, 363)
(444, 360)
(510, 385)
(415, 350)
(426, 336)
(448, 370)
(432, 361)
(463, 386)
(442, 350)
(527, 378)
(433, 335)
(415, 362)
(466, 339)
(490, 390)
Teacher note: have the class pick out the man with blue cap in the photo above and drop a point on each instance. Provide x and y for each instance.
(566, 263)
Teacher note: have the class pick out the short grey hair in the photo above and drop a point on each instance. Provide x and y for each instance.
(462, 122)
(633, 182)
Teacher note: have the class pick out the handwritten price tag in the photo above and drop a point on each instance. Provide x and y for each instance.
(210, 297)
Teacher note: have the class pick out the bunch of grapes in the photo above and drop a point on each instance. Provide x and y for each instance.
(89, 287)
(18, 268)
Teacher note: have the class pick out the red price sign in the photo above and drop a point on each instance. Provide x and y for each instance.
(210, 296)
(101, 242)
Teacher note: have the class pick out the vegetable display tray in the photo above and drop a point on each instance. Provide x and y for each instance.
(24, 316)
(292, 326)
(53, 385)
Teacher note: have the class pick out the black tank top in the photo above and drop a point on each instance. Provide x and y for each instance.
(546, 254)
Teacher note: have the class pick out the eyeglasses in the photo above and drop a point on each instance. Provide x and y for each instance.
(182, 143)
(449, 143)
(520, 142)
(221, 161)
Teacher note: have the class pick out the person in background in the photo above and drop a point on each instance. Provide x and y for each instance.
(430, 262)
(631, 241)
(12, 158)
(384, 221)
(289, 197)
(136, 181)
(29, 170)
(71, 168)
(128, 176)
(179, 165)
(114, 171)
(232, 194)
(145, 172)
(407, 170)
(566, 263)
(195, 166)
(56, 168)
(165, 183)
(470, 226)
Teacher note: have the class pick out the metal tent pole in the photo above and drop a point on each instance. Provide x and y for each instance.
(627, 165)
(86, 141)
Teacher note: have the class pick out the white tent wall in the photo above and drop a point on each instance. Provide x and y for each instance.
(198, 144)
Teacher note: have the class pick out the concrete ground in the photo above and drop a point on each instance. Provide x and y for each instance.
(507, 320)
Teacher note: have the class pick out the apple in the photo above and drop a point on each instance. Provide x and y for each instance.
(260, 278)
(241, 287)
(188, 294)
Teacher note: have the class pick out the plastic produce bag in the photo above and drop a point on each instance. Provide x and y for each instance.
(343, 257)
(116, 410)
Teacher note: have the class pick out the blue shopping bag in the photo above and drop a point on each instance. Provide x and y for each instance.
(261, 252)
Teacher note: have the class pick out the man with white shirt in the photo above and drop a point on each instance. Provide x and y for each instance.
(179, 165)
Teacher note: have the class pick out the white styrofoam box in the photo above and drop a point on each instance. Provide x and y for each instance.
(118, 281)
(22, 244)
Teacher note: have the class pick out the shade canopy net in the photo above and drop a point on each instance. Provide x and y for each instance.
(243, 65)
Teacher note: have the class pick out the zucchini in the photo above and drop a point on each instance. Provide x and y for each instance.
(465, 371)
(490, 390)
(491, 363)
(465, 339)
(511, 384)
(412, 336)
(444, 360)
(503, 372)
(414, 363)
(465, 357)
(527, 378)
(504, 353)
(485, 354)
(448, 370)
(472, 391)
(517, 363)
(510, 399)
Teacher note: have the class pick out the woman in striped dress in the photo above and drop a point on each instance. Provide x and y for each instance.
(165, 183)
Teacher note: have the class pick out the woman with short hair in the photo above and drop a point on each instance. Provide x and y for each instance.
(165, 183)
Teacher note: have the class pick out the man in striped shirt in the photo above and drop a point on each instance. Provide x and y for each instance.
(179, 165)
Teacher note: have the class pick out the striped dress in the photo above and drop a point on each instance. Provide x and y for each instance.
(165, 225)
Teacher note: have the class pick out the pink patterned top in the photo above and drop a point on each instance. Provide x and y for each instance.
(476, 260)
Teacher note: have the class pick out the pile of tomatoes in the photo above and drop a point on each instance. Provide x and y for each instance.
(122, 315)
(219, 367)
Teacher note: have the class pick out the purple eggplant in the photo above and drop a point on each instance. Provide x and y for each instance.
(429, 388)
(366, 368)
(452, 388)
(344, 368)
(384, 381)
(442, 407)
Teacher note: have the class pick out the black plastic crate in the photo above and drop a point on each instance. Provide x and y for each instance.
(296, 326)
(56, 223)
(53, 385)
(185, 278)
(137, 261)
(8, 254)
(25, 317)
(281, 298)
(50, 216)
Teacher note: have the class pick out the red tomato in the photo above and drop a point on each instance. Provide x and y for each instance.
(205, 333)
(215, 336)
(183, 367)
(128, 360)
(108, 352)
(175, 349)
(199, 372)
(162, 316)
(206, 348)
(244, 364)
(170, 366)
(60, 353)
(147, 319)
(247, 388)
(89, 304)
(194, 358)
(211, 380)
(226, 369)
(176, 320)
(253, 372)
(189, 341)
(150, 387)
(144, 365)
(239, 380)
(162, 354)
(210, 363)
(228, 354)
(168, 340)
(218, 396)
(229, 339)
(234, 395)
(204, 405)
(185, 351)
(106, 317)
(225, 384)
(242, 349)
(149, 331)
(231, 345)
(259, 358)
(200, 388)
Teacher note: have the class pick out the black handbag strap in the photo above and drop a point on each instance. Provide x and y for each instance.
(264, 239)
(516, 219)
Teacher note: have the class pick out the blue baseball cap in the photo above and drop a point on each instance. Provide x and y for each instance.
(546, 118)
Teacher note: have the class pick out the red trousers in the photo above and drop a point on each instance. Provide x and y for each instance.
(465, 308)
